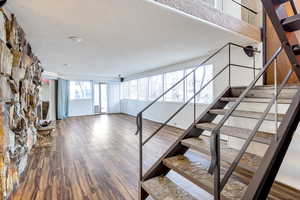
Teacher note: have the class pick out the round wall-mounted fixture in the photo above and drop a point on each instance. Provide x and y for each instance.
(75, 38)
(249, 51)
(2, 2)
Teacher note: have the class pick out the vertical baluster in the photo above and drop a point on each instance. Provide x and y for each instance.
(140, 123)
(229, 64)
(217, 177)
(194, 82)
(293, 7)
(254, 65)
(275, 93)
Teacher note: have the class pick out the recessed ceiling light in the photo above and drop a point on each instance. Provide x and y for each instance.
(75, 38)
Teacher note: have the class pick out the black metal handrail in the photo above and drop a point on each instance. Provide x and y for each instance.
(139, 119)
(247, 8)
(200, 65)
(184, 105)
(293, 7)
(193, 71)
(215, 146)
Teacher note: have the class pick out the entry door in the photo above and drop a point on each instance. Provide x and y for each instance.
(97, 107)
(103, 98)
(100, 98)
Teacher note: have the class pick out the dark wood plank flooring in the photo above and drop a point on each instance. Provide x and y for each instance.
(94, 157)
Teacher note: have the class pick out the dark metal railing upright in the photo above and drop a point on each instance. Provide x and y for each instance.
(139, 119)
(246, 7)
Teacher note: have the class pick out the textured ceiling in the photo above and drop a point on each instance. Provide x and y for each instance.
(119, 36)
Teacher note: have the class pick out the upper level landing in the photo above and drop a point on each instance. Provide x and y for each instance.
(239, 16)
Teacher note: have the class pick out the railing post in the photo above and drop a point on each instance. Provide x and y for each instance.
(293, 7)
(216, 173)
(140, 128)
(275, 93)
(194, 79)
(254, 66)
(229, 65)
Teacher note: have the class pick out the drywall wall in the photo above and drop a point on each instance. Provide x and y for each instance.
(20, 82)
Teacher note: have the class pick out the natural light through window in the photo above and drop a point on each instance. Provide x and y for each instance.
(133, 93)
(176, 93)
(143, 89)
(149, 88)
(155, 86)
(80, 90)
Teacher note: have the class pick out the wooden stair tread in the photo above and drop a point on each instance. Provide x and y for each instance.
(263, 93)
(247, 114)
(291, 23)
(256, 100)
(249, 162)
(278, 191)
(261, 137)
(197, 173)
(287, 87)
(162, 188)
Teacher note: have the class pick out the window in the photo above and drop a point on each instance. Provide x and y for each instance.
(96, 94)
(175, 94)
(143, 89)
(125, 90)
(104, 97)
(203, 76)
(155, 86)
(133, 89)
(80, 90)
(189, 84)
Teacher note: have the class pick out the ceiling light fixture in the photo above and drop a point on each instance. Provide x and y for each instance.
(76, 39)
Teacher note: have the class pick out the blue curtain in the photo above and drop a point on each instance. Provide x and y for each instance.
(62, 98)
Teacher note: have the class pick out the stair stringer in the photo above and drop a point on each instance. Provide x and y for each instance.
(264, 177)
(177, 148)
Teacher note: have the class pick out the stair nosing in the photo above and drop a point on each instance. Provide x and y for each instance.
(226, 158)
(257, 100)
(178, 188)
(238, 135)
(237, 113)
(197, 181)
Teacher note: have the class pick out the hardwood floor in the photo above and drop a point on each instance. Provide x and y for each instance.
(94, 157)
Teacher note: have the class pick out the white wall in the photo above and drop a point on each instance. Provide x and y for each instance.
(81, 107)
(161, 111)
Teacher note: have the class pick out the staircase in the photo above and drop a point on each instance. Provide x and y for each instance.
(224, 172)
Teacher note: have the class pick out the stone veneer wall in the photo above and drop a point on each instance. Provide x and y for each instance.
(20, 81)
